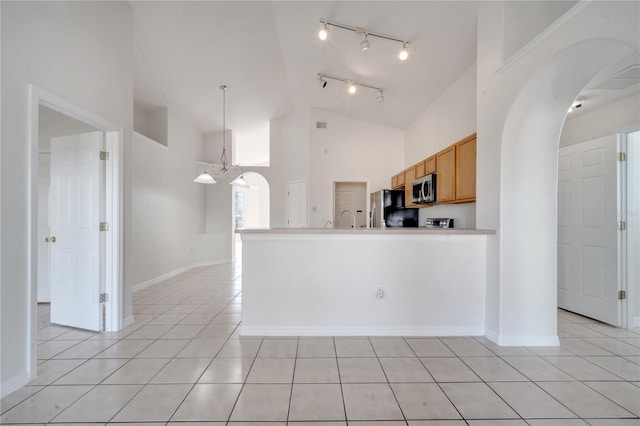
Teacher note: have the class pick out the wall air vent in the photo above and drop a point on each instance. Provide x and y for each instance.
(321, 124)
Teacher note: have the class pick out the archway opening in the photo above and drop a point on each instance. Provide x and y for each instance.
(527, 296)
(251, 207)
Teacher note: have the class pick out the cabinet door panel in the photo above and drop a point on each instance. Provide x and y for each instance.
(466, 170)
(409, 177)
(445, 181)
(430, 165)
(419, 170)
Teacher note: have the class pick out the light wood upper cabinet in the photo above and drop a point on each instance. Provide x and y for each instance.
(397, 180)
(430, 165)
(419, 170)
(409, 177)
(446, 175)
(455, 169)
(456, 175)
(466, 169)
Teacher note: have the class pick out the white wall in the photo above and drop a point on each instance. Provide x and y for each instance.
(82, 52)
(219, 209)
(289, 152)
(521, 108)
(349, 150)
(450, 118)
(523, 20)
(168, 207)
(621, 116)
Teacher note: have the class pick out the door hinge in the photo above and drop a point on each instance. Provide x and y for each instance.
(104, 297)
(104, 155)
(104, 226)
(622, 226)
(622, 156)
(622, 295)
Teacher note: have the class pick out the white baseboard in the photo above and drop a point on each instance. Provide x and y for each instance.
(492, 335)
(156, 280)
(501, 340)
(13, 384)
(128, 321)
(360, 331)
(210, 263)
(528, 340)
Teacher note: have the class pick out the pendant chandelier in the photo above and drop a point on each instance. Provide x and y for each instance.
(222, 170)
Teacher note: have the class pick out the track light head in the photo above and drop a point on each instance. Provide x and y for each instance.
(351, 87)
(324, 84)
(380, 98)
(324, 32)
(404, 53)
(364, 44)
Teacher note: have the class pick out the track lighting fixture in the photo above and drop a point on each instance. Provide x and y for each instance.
(322, 81)
(404, 53)
(364, 42)
(324, 32)
(352, 86)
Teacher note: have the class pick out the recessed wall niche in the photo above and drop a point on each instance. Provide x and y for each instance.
(151, 122)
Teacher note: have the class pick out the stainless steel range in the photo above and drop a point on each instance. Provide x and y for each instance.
(439, 223)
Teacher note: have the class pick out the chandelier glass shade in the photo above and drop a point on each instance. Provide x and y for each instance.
(223, 171)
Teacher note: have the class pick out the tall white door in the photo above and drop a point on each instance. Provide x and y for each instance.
(77, 182)
(297, 204)
(587, 230)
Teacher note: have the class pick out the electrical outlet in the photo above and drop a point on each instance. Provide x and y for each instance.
(380, 293)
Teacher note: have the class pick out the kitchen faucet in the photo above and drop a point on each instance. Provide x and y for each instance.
(352, 215)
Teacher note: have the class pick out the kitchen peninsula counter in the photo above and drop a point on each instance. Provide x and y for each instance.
(363, 282)
(367, 231)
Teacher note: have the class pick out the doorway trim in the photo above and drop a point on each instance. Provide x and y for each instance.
(367, 191)
(113, 211)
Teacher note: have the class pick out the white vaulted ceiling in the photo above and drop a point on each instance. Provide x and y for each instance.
(269, 54)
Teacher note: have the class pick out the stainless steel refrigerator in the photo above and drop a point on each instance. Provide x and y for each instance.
(387, 206)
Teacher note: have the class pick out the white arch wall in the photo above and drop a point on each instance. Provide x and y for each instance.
(521, 109)
(529, 189)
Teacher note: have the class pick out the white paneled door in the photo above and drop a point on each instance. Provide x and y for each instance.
(77, 182)
(588, 281)
(297, 204)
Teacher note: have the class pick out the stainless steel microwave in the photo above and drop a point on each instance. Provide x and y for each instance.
(424, 190)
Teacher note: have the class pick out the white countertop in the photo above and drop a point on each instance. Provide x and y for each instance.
(369, 231)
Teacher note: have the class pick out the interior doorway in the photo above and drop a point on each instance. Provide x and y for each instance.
(589, 242)
(350, 204)
(297, 204)
(105, 209)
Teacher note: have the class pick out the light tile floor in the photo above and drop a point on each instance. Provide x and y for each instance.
(183, 361)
